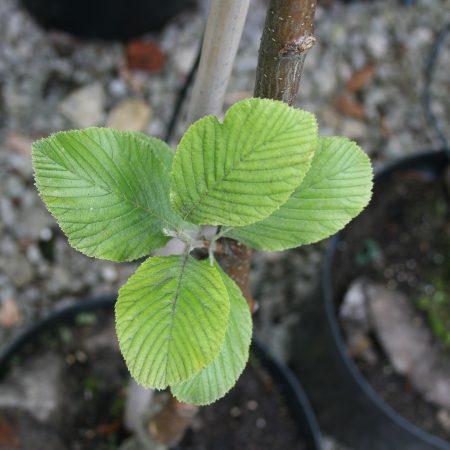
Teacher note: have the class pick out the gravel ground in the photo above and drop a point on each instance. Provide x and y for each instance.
(363, 79)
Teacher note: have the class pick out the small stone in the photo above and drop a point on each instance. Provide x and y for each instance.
(377, 44)
(118, 87)
(354, 129)
(422, 36)
(252, 405)
(7, 212)
(70, 359)
(10, 314)
(354, 305)
(329, 119)
(235, 411)
(90, 278)
(392, 316)
(261, 423)
(81, 356)
(60, 280)
(19, 143)
(84, 107)
(443, 417)
(35, 386)
(330, 443)
(109, 274)
(354, 316)
(184, 58)
(17, 269)
(130, 115)
(197, 424)
(89, 434)
(325, 81)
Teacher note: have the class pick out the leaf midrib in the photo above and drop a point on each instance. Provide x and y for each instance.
(234, 167)
(184, 261)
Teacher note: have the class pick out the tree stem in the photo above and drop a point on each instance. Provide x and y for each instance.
(287, 37)
(223, 33)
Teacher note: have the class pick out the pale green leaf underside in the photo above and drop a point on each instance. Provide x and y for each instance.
(239, 172)
(108, 190)
(336, 189)
(171, 319)
(219, 377)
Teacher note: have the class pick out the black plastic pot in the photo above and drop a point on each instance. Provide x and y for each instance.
(346, 405)
(289, 386)
(106, 19)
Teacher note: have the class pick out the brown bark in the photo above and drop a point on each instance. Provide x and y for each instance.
(287, 37)
(235, 260)
(168, 426)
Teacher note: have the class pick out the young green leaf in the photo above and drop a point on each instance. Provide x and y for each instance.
(239, 172)
(108, 189)
(336, 189)
(221, 375)
(171, 319)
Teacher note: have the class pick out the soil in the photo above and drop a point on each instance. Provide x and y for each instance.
(93, 377)
(253, 415)
(402, 240)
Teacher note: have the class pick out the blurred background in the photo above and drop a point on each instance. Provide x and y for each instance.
(363, 79)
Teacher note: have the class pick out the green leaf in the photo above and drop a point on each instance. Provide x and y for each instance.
(219, 377)
(239, 172)
(171, 319)
(336, 189)
(108, 189)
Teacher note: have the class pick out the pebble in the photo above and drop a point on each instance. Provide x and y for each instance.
(409, 344)
(61, 279)
(354, 305)
(261, 423)
(235, 411)
(184, 58)
(354, 129)
(85, 106)
(10, 314)
(118, 87)
(17, 269)
(377, 44)
(33, 222)
(443, 416)
(130, 115)
(354, 316)
(109, 273)
(392, 316)
(35, 386)
(252, 405)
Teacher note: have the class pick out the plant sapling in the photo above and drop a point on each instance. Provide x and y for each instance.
(263, 177)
